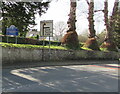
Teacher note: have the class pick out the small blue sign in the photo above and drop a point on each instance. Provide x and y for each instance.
(12, 30)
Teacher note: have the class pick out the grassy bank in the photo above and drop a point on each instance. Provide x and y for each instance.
(40, 46)
(29, 46)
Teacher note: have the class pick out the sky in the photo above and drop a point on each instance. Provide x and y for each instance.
(59, 10)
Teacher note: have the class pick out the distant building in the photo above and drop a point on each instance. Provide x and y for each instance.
(32, 33)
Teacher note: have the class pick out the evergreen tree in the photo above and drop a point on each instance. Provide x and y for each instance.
(21, 14)
(110, 26)
(117, 28)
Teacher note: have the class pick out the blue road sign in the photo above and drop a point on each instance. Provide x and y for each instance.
(12, 30)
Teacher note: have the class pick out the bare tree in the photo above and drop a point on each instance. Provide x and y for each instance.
(59, 30)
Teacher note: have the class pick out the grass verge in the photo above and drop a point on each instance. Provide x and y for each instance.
(46, 47)
(29, 46)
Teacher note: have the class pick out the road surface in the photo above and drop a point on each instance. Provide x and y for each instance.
(74, 78)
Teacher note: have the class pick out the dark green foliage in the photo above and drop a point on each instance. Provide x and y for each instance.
(117, 29)
(101, 37)
(21, 14)
(117, 23)
(110, 46)
(117, 38)
(37, 37)
(112, 26)
(29, 41)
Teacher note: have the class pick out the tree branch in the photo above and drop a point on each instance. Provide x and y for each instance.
(87, 2)
(99, 10)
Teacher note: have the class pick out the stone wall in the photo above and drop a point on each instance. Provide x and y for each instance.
(16, 55)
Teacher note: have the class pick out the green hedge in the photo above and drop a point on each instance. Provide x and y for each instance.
(28, 41)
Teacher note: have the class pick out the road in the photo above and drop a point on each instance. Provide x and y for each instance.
(73, 78)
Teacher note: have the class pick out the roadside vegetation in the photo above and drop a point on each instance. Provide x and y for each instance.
(3, 44)
(108, 40)
(30, 46)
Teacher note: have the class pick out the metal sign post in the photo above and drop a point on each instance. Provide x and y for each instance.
(16, 39)
(7, 39)
(43, 42)
(49, 47)
(46, 30)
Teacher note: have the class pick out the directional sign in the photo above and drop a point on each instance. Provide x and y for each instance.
(12, 30)
(46, 28)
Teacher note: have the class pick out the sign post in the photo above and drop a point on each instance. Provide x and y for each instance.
(7, 39)
(12, 30)
(46, 30)
(16, 40)
(43, 43)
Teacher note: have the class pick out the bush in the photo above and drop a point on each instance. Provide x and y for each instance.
(92, 44)
(70, 40)
(110, 46)
(28, 41)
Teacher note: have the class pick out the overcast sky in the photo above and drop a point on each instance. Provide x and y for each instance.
(59, 10)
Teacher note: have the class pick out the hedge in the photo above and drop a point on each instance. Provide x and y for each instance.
(28, 41)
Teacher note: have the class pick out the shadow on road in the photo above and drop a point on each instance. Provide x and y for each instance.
(58, 79)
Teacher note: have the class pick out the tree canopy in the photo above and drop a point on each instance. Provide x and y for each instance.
(117, 28)
(117, 21)
(21, 14)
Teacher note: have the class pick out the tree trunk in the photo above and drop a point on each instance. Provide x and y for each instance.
(110, 25)
(71, 38)
(72, 16)
(91, 42)
(108, 36)
(91, 19)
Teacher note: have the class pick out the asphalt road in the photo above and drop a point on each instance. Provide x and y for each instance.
(77, 78)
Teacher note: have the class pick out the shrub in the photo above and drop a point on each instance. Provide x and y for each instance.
(71, 40)
(92, 44)
(110, 46)
(28, 41)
